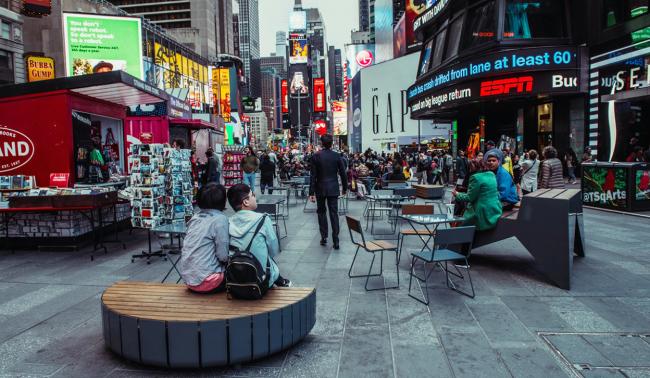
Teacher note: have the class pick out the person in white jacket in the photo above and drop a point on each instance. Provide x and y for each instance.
(530, 169)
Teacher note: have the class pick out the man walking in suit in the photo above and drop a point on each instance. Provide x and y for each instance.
(326, 165)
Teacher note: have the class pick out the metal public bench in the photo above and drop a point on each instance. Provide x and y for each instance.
(167, 325)
(550, 225)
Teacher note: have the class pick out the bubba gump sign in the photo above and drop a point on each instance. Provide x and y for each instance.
(39, 68)
(16, 149)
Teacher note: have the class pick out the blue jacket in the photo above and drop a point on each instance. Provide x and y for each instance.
(506, 186)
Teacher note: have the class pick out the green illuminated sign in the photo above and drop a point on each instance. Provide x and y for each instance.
(95, 44)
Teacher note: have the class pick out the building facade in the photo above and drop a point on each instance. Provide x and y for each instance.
(281, 44)
(270, 96)
(12, 64)
(195, 24)
(235, 35)
(225, 33)
(335, 68)
(258, 129)
(249, 45)
(277, 63)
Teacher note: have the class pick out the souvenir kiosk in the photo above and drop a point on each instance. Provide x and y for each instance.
(50, 129)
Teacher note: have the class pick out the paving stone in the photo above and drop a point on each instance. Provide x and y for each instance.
(367, 352)
(313, 357)
(623, 317)
(470, 355)
(622, 350)
(535, 314)
(499, 324)
(367, 309)
(531, 362)
(578, 351)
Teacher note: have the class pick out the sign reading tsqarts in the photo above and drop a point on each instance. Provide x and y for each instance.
(16, 149)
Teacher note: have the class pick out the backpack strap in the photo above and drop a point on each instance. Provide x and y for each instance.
(257, 230)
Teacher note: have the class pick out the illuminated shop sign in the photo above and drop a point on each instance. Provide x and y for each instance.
(533, 83)
(497, 63)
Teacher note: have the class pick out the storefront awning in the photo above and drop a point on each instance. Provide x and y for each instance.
(115, 87)
(195, 124)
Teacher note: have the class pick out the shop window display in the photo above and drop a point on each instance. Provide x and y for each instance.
(426, 58)
(534, 19)
(455, 29)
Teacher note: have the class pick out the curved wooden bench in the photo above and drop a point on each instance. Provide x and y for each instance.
(169, 326)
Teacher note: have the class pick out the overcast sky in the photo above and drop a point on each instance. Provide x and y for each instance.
(339, 16)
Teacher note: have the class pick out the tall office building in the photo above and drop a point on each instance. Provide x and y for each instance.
(270, 96)
(281, 44)
(335, 69)
(259, 129)
(194, 24)
(12, 65)
(225, 34)
(277, 63)
(367, 17)
(249, 45)
(235, 35)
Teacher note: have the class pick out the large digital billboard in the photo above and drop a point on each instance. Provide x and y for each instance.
(95, 44)
(319, 95)
(399, 37)
(299, 81)
(298, 21)
(221, 92)
(414, 8)
(285, 96)
(298, 51)
(340, 117)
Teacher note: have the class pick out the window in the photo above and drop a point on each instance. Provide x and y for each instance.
(454, 33)
(534, 19)
(6, 68)
(5, 31)
(438, 48)
(425, 58)
(480, 26)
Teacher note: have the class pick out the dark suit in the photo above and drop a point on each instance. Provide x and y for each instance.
(326, 167)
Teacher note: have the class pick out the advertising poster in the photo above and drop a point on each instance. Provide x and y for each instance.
(319, 95)
(340, 117)
(221, 92)
(285, 97)
(358, 57)
(604, 187)
(642, 185)
(299, 81)
(414, 8)
(355, 94)
(298, 51)
(399, 38)
(95, 44)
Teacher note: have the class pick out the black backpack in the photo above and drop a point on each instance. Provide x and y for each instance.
(245, 276)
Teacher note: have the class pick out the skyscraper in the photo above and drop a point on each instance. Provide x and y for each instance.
(335, 69)
(364, 15)
(224, 31)
(235, 35)
(249, 45)
(281, 44)
(270, 95)
(277, 63)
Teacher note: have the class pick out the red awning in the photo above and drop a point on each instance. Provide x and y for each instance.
(194, 124)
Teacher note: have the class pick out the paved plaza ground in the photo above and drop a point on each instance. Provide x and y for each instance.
(518, 325)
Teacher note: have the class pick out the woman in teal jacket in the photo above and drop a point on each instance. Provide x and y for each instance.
(484, 207)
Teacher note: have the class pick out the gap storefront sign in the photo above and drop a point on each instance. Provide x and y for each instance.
(499, 75)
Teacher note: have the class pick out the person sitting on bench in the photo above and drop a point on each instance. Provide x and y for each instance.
(205, 249)
(505, 184)
(483, 208)
(242, 228)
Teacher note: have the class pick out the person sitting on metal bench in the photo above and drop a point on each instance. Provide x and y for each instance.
(483, 206)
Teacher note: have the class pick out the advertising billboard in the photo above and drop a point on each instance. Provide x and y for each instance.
(605, 187)
(298, 21)
(354, 116)
(221, 92)
(414, 8)
(298, 51)
(319, 95)
(384, 30)
(385, 115)
(95, 44)
(399, 37)
(285, 96)
(340, 117)
(299, 83)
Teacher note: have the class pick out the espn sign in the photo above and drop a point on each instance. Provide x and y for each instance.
(516, 85)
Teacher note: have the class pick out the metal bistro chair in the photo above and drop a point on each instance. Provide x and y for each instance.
(421, 233)
(272, 210)
(460, 237)
(372, 247)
